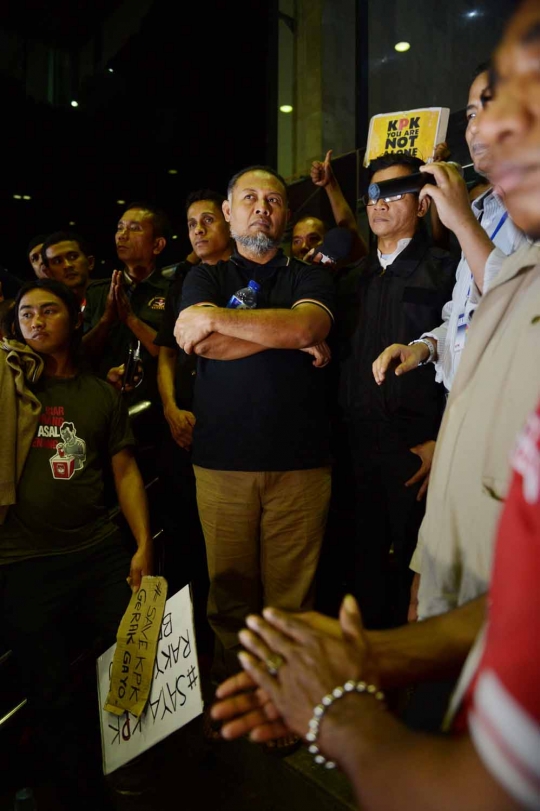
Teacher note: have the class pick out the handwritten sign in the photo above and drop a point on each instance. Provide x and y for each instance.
(136, 646)
(175, 694)
(416, 132)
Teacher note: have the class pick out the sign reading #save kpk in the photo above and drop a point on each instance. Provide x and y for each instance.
(175, 695)
(415, 132)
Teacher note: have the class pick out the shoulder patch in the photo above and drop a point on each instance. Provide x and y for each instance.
(157, 303)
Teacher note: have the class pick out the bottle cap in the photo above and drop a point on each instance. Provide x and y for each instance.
(254, 285)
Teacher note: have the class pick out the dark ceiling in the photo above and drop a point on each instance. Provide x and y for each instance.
(187, 92)
(59, 24)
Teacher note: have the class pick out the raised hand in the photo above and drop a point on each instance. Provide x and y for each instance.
(321, 171)
(450, 195)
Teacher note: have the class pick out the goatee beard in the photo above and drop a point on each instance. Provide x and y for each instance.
(259, 243)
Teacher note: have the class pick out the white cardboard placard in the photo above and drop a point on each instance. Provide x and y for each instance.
(175, 697)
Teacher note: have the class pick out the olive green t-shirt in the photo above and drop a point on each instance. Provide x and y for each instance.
(61, 494)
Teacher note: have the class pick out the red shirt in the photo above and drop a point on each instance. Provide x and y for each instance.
(503, 701)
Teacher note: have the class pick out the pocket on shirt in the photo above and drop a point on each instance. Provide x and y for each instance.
(495, 487)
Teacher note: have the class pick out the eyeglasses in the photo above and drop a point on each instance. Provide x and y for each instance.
(393, 199)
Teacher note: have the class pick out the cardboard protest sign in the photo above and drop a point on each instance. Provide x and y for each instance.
(175, 694)
(416, 132)
(136, 644)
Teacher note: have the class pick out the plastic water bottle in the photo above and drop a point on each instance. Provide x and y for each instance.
(24, 800)
(245, 298)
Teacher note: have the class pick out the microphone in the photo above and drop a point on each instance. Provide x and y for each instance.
(335, 247)
(407, 184)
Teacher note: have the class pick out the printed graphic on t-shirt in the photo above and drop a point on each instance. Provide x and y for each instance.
(70, 453)
(60, 435)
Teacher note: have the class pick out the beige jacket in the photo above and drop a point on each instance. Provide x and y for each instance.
(496, 386)
(19, 415)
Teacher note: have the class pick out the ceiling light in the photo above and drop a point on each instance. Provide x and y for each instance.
(121, 202)
(17, 196)
(26, 197)
(286, 108)
(74, 103)
(72, 222)
(175, 236)
(173, 171)
(473, 13)
(401, 47)
(111, 70)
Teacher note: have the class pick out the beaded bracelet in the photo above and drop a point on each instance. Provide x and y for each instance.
(350, 686)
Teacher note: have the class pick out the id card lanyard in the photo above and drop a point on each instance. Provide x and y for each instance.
(462, 322)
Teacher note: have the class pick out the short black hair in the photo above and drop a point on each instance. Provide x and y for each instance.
(161, 225)
(65, 295)
(310, 217)
(257, 168)
(39, 239)
(483, 67)
(65, 236)
(204, 194)
(394, 159)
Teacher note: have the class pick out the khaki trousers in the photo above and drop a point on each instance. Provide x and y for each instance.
(263, 534)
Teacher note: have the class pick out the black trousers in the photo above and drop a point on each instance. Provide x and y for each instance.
(53, 607)
(387, 520)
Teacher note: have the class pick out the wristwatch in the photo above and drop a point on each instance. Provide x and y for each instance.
(431, 348)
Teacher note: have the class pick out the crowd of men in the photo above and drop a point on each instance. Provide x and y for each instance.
(359, 386)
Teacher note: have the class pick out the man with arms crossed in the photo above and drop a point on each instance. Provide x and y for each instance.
(260, 442)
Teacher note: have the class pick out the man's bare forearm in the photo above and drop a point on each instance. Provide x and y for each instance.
(132, 496)
(431, 649)
(476, 247)
(303, 326)
(221, 347)
(165, 375)
(144, 333)
(428, 773)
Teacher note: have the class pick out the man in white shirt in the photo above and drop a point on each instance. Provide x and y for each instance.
(487, 236)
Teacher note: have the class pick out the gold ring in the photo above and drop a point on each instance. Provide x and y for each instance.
(273, 663)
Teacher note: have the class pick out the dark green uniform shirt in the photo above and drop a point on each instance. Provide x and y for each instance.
(148, 303)
(60, 497)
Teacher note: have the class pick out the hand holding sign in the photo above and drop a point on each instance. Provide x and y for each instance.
(136, 647)
(175, 693)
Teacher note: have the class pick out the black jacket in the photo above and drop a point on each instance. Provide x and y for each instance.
(376, 308)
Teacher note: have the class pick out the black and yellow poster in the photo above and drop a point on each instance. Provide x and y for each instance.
(415, 132)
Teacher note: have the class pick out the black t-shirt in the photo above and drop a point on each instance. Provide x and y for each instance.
(60, 496)
(267, 411)
(148, 302)
(186, 365)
